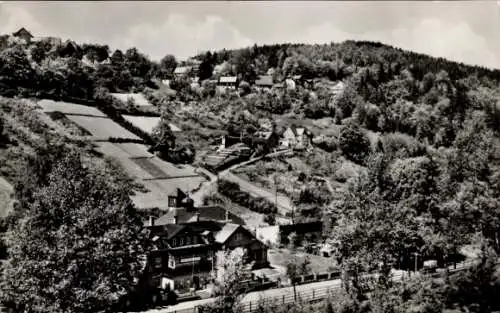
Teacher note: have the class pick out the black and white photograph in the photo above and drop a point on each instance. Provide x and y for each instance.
(250, 156)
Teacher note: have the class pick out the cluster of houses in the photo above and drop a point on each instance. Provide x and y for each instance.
(236, 149)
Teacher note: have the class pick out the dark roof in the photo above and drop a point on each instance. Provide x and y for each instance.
(173, 229)
(265, 80)
(207, 213)
(23, 32)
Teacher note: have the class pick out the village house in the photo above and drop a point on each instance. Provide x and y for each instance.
(183, 71)
(229, 82)
(186, 241)
(264, 82)
(297, 138)
(24, 35)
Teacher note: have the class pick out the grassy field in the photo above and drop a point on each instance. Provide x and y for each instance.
(138, 98)
(102, 127)
(123, 150)
(68, 108)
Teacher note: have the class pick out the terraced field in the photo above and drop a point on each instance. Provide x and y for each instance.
(68, 108)
(102, 127)
(123, 150)
(145, 123)
(160, 189)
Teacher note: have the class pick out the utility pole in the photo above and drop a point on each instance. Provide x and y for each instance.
(416, 254)
(276, 191)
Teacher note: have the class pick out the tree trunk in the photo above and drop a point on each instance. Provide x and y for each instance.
(294, 292)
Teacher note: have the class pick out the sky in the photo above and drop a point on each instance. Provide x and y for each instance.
(465, 31)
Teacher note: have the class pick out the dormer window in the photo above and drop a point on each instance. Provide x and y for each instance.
(172, 202)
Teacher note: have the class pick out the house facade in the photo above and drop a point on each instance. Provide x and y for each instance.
(23, 34)
(185, 242)
(296, 138)
(230, 82)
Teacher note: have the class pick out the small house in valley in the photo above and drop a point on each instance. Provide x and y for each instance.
(183, 71)
(296, 137)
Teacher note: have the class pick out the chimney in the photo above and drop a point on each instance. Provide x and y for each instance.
(151, 220)
(197, 217)
(176, 216)
(227, 215)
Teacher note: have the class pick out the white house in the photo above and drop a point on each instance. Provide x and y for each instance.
(295, 137)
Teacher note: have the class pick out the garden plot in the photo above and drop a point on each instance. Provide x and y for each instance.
(102, 127)
(160, 189)
(138, 98)
(69, 108)
(161, 169)
(148, 123)
(145, 123)
(123, 150)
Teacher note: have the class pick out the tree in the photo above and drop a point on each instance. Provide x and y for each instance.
(296, 268)
(353, 143)
(76, 247)
(206, 67)
(231, 271)
(137, 63)
(167, 65)
(15, 68)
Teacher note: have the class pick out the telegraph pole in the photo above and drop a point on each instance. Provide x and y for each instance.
(416, 254)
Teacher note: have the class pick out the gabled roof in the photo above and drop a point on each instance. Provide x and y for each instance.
(265, 80)
(173, 230)
(228, 79)
(227, 231)
(22, 32)
(207, 213)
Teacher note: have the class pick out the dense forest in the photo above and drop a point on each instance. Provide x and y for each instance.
(429, 184)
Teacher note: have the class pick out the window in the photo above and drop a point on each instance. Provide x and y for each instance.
(188, 241)
(239, 236)
(181, 242)
(171, 261)
(174, 242)
(158, 263)
(195, 240)
(172, 203)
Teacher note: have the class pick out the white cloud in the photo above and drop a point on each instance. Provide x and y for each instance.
(181, 37)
